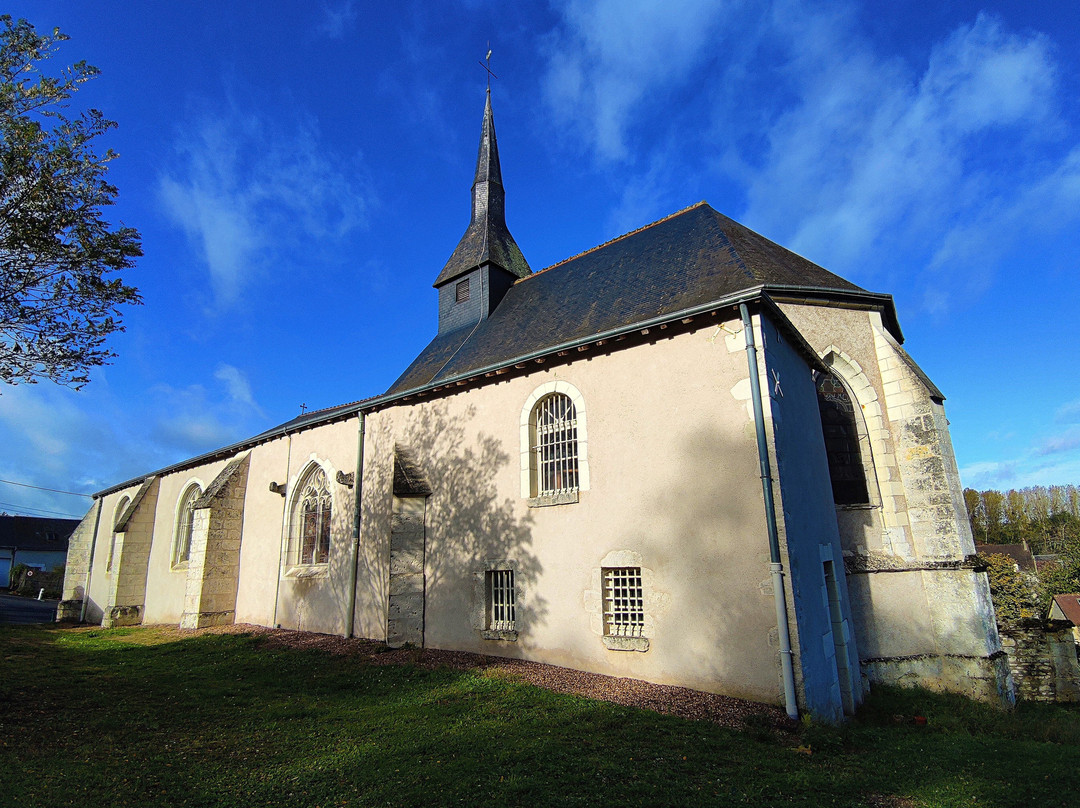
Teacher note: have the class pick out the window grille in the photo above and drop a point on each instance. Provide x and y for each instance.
(556, 445)
(313, 520)
(502, 601)
(624, 604)
(186, 524)
(461, 292)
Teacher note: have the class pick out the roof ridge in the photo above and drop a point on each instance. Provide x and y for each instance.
(612, 241)
(335, 406)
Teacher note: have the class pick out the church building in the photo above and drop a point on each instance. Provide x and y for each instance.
(687, 456)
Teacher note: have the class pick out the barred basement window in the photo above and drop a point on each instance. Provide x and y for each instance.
(185, 523)
(624, 603)
(501, 601)
(555, 443)
(461, 292)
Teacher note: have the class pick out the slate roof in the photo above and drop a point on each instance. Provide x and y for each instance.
(688, 259)
(34, 532)
(487, 238)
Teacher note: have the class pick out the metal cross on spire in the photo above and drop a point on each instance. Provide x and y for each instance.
(487, 67)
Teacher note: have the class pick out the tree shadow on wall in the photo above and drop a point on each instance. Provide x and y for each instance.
(471, 524)
(702, 531)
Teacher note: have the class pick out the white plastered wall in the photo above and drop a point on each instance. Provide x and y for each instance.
(673, 481)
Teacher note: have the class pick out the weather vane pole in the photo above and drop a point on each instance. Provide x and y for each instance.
(487, 67)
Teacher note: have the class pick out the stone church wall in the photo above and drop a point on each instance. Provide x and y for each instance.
(166, 581)
(78, 565)
(827, 673)
(922, 612)
(674, 489)
(269, 592)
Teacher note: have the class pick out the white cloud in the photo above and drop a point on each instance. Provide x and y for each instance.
(869, 161)
(237, 384)
(337, 19)
(72, 446)
(874, 155)
(193, 433)
(1060, 444)
(249, 193)
(1068, 413)
(989, 474)
(609, 58)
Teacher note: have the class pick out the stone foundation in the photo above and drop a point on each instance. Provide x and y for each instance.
(983, 678)
(69, 611)
(122, 616)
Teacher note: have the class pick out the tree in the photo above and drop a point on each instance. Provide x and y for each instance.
(60, 296)
(1012, 594)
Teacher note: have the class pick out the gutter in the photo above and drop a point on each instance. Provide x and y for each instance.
(776, 566)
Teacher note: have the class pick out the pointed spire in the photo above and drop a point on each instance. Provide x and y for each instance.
(487, 239)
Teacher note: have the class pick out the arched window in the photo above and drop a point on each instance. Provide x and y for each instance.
(841, 433)
(555, 444)
(121, 506)
(309, 535)
(185, 523)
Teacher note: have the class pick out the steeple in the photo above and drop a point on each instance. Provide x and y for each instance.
(487, 239)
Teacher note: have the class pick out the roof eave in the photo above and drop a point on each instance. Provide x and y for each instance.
(752, 294)
(878, 301)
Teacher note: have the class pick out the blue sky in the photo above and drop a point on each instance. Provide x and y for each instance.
(300, 172)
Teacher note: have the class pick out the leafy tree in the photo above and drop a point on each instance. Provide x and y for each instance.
(59, 293)
(1010, 590)
(973, 501)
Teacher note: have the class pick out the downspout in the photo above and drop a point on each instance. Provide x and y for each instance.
(284, 526)
(358, 486)
(775, 565)
(90, 562)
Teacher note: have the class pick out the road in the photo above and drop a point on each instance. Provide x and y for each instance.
(14, 609)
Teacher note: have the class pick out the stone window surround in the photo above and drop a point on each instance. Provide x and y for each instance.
(177, 523)
(290, 548)
(653, 602)
(527, 462)
(868, 418)
(480, 599)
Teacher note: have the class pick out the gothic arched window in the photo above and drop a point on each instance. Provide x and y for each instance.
(185, 524)
(554, 438)
(838, 423)
(309, 536)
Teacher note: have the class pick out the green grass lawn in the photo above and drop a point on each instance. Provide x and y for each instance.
(137, 717)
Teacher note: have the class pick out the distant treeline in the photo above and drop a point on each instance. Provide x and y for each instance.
(1046, 517)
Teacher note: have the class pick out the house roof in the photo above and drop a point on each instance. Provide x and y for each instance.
(689, 259)
(1069, 606)
(1017, 552)
(1044, 561)
(36, 532)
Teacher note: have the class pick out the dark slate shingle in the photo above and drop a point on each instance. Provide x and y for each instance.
(688, 259)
